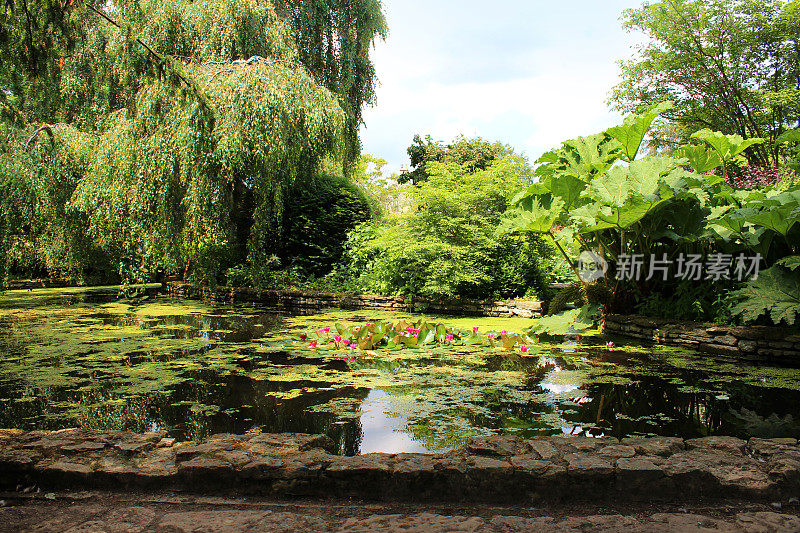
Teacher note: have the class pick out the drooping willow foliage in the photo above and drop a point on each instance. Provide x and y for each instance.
(178, 125)
(333, 41)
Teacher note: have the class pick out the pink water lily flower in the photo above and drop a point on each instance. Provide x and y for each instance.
(491, 336)
(504, 332)
(313, 344)
(303, 336)
(324, 330)
(337, 338)
(579, 338)
(353, 346)
(610, 345)
(523, 349)
(370, 324)
(448, 337)
(474, 329)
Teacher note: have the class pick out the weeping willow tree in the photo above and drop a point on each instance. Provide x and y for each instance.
(177, 127)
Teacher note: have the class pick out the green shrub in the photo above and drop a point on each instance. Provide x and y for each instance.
(319, 212)
(446, 247)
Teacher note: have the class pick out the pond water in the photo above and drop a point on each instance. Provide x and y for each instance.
(192, 369)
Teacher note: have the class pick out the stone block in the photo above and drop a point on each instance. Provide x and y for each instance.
(770, 447)
(496, 446)
(131, 447)
(586, 466)
(747, 346)
(641, 478)
(203, 473)
(82, 447)
(263, 468)
(616, 451)
(544, 449)
(726, 444)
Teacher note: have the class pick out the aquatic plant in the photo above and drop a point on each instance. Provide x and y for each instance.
(403, 334)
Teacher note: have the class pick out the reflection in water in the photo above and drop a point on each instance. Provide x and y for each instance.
(195, 370)
(382, 431)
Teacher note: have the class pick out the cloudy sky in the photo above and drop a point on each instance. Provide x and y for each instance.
(529, 73)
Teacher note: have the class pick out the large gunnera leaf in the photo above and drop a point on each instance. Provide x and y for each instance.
(776, 293)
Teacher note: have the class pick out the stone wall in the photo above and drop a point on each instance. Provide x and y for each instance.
(772, 343)
(43, 283)
(302, 302)
(486, 469)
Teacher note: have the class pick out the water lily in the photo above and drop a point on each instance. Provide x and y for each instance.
(490, 336)
(303, 336)
(579, 338)
(324, 330)
(523, 349)
(353, 346)
(313, 344)
(609, 345)
(474, 329)
(351, 360)
(337, 338)
(504, 332)
(448, 337)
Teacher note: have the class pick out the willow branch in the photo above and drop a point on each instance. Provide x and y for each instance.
(40, 129)
(159, 57)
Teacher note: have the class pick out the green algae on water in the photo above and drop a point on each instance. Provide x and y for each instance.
(193, 369)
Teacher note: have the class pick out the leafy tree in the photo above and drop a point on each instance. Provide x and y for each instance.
(446, 246)
(192, 119)
(477, 154)
(333, 41)
(729, 65)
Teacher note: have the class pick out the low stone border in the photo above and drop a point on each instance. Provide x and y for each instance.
(300, 302)
(43, 283)
(486, 469)
(756, 341)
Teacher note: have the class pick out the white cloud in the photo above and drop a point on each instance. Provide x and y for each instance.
(548, 87)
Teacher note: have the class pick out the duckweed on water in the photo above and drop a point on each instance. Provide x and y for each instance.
(194, 369)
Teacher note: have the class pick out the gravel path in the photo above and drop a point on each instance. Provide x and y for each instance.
(174, 512)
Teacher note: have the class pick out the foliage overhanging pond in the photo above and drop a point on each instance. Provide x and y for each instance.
(195, 370)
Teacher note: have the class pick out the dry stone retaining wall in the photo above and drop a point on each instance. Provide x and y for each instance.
(486, 469)
(302, 302)
(760, 342)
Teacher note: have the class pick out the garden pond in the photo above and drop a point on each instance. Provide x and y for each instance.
(73, 357)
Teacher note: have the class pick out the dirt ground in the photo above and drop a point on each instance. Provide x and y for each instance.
(176, 512)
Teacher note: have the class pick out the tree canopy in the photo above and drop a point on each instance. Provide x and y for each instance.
(729, 65)
(477, 154)
(176, 125)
